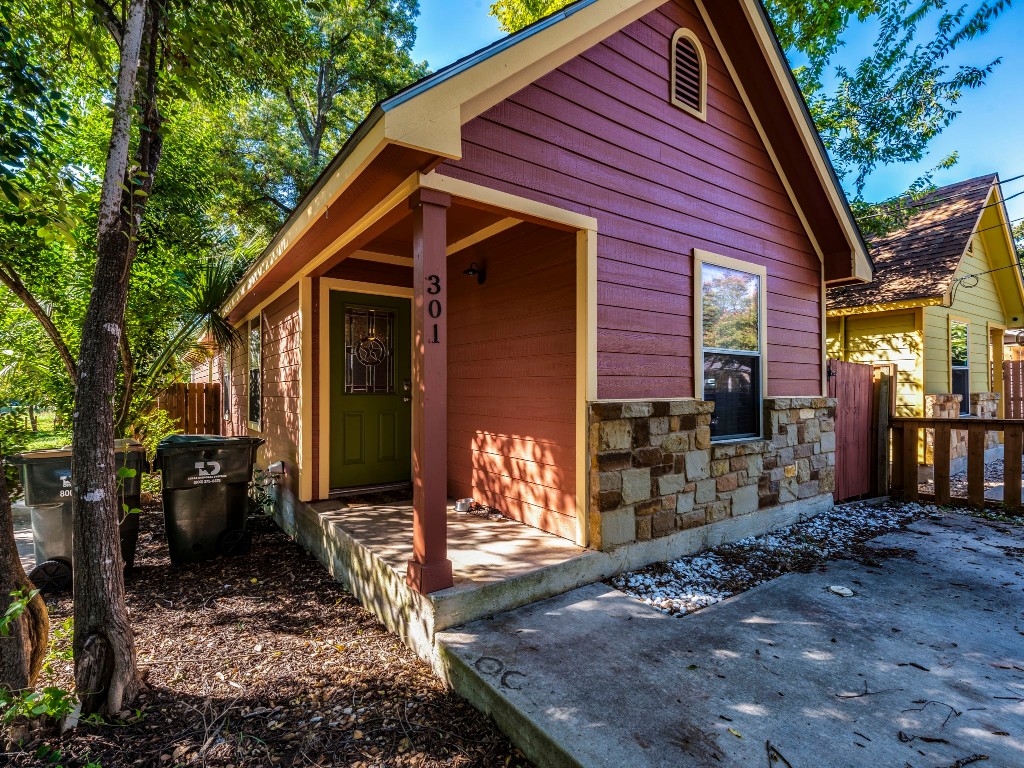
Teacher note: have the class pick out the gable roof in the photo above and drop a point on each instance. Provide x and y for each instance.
(919, 260)
(427, 118)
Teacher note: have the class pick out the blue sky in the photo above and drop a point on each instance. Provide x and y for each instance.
(989, 134)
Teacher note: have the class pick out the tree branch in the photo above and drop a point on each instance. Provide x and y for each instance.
(10, 278)
(300, 118)
(109, 19)
(271, 199)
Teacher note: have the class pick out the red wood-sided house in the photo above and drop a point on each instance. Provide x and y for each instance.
(577, 276)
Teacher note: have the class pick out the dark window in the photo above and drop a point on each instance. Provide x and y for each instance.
(225, 383)
(688, 76)
(730, 333)
(959, 357)
(732, 382)
(255, 373)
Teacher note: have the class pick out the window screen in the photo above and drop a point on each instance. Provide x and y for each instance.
(731, 339)
(255, 377)
(960, 374)
(225, 383)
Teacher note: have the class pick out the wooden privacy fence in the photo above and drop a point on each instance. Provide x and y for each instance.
(194, 407)
(850, 385)
(1013, 389)
(906, 437)
(862, 416)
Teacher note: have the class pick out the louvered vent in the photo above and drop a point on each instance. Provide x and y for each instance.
(688, 73)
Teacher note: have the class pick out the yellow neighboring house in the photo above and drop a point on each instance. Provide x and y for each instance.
(946, 287)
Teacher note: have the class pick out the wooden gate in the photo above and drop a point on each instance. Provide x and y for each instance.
(851, 384)
(1013, 389)
(195, 407)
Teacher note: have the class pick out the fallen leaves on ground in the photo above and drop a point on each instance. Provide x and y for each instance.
(265, 660)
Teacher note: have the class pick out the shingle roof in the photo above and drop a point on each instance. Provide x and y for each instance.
(919, 260)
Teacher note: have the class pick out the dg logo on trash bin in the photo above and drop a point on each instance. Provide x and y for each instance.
(208, 468)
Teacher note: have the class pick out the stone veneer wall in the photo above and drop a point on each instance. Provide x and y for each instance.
(655, 471)
(984, 405)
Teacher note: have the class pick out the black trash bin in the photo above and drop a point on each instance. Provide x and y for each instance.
(46, 478)
(206, 494)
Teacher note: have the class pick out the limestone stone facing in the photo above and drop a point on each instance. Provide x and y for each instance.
(984, 405)
(655, 470)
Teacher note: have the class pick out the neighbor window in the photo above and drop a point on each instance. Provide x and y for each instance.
(960, 370)
(689, 74)
(225, 382)
(730, 309)
(255, 365)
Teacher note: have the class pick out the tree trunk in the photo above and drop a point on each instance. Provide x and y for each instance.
(32, 421)
(106, 673)
(21, 651)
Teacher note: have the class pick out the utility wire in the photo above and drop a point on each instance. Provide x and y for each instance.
(932, 202)
(972, 214)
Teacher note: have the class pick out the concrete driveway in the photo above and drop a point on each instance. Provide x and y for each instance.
(922, 667)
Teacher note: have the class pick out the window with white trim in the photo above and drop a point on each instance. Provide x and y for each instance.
(225, 383)
(729, 343)
(959, 363)
(689, 74)
(255, 342)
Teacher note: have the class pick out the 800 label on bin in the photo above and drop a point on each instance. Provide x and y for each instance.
(209, 472)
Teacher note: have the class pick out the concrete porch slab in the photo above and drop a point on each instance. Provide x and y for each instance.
(596, 678)
(498, 565)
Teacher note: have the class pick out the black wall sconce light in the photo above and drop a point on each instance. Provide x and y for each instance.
(477, 271)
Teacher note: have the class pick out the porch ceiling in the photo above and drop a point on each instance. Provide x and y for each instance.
(393, 234)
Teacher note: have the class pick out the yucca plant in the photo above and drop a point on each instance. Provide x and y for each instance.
(202, 289)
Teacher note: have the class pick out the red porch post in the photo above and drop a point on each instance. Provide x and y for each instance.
(430, 569)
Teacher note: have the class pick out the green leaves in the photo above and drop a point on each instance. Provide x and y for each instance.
(340, 59)
(17, 607)
(888, 107)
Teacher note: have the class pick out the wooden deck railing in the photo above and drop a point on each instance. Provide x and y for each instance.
(906, 436)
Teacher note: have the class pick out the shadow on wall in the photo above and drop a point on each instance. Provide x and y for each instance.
(904, 349)
(512, 377)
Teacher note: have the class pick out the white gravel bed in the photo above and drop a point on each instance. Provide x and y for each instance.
(958, 483)
(686, 585)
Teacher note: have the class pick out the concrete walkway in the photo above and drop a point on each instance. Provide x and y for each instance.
(23, 536)
(922, 667)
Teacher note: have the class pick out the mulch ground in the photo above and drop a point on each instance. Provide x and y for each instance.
(265, 660)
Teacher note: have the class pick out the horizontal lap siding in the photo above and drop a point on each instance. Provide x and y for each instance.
(979, 304)
(511, 377)
(599, 136)
(280, 376)
(281, 369)
(890, 338)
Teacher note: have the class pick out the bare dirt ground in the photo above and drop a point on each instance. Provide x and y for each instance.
(265, 660)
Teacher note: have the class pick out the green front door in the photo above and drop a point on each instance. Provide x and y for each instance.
(371, 390)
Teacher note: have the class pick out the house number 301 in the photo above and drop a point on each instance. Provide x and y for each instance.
(434, 306)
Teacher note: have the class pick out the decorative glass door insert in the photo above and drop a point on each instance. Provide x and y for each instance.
(369, 351)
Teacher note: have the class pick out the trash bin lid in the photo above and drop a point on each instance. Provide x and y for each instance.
(41, 454)
(175, 444)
